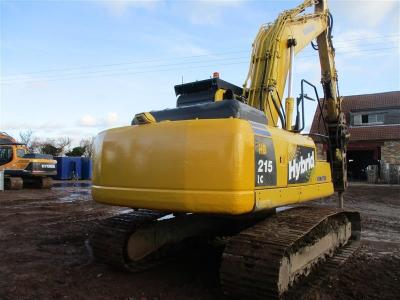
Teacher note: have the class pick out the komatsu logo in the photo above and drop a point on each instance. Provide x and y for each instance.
(300, 166)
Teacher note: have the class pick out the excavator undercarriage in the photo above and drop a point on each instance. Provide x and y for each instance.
(263, 256)
(18, 183)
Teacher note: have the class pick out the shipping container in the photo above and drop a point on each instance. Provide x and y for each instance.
(86, 168)
(69, 167)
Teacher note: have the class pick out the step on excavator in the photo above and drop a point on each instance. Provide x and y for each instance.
(232, 162)
(22, 168)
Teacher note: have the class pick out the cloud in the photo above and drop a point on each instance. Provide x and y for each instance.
(88, 120)
(86, 126)
(40, 84)
(187, 49)
(360, 43)
(174, 40)
(209, 12)
(29, 80)
(75, 133)
(302, 66)
(367, 13)
(352, 42)
(49, 126)
(111, 119)
(121, 7)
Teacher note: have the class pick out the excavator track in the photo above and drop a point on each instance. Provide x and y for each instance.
(44, 183)
(110, 239)
(38, 182)
(322, 273)
(14, 183)
(267, 259)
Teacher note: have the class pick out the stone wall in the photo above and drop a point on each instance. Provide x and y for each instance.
(390, 162)
(390, 152)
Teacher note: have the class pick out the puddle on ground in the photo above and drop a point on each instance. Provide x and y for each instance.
(283, 208)
(71, 184)
(82, 195)
(170, 216)
(74, 190)
(125, 210)
(73, 198)
(380, 236)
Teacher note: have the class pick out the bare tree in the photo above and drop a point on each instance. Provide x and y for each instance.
(55, 147)
(63, 144)
(36, 144)
(49, 148)
(26, 137)
(87, 144)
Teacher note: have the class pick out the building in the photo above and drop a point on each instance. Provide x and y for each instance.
(374, 125)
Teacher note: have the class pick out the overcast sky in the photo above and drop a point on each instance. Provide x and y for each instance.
(73, 68)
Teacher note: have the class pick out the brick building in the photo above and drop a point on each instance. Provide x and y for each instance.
(374, 125)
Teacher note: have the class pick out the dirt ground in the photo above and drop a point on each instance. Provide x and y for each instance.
(44, 253)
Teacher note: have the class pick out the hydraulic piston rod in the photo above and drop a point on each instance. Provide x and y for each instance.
(289, 103)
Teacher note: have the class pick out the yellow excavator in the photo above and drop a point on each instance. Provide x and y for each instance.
(22, 168)
(231, 162)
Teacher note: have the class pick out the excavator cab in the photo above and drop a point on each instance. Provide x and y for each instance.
(206, 91)
(206, 99)
(6, 154)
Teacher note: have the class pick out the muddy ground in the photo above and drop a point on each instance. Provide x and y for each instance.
(44, 253)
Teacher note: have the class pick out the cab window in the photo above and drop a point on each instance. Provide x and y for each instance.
(21, 152)
(6, 154)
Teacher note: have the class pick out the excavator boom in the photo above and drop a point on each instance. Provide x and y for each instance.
(272, 62)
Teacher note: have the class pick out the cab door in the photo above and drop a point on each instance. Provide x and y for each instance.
(19, 161)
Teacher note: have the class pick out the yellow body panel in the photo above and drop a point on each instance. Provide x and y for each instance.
(200, 166)
(193, 165)
(270, 198)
